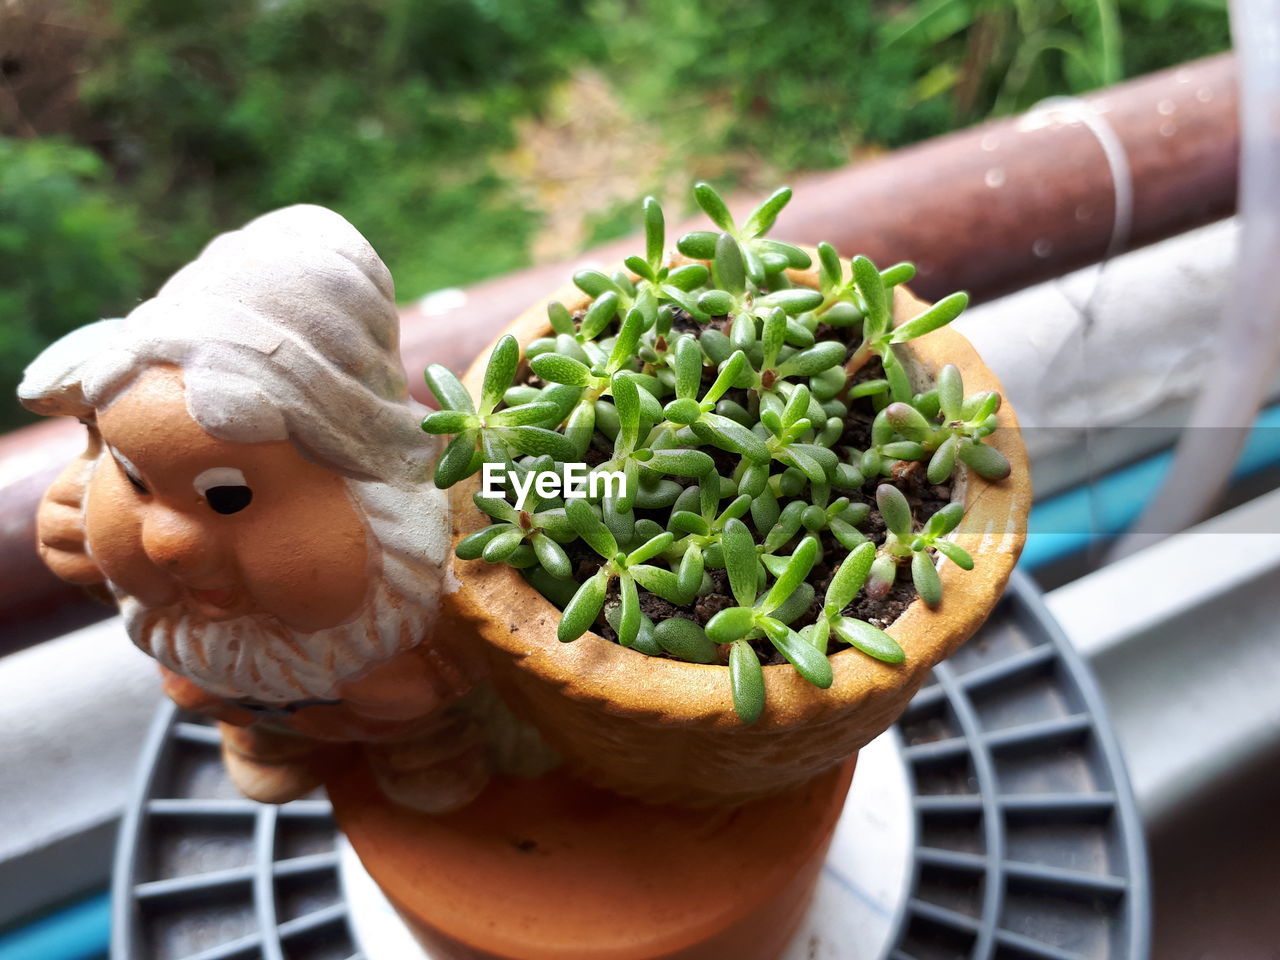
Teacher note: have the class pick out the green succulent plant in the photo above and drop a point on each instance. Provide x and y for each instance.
(767, 614)
(758, 428)
(902, 543)
(941, 425)
(832, 621)
(761, 257)
(520, 537)
(479, 432)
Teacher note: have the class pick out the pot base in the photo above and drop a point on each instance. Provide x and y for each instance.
(553, 869)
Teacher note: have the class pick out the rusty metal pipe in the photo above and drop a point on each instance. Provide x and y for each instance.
(992, 208)
(1015, 201)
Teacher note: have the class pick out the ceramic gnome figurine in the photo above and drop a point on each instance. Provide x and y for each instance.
(256, 496)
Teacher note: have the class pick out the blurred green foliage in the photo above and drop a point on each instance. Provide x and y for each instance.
(68, 248)
(803, 82)
(385, 110)
(808, 83)
(208, 112)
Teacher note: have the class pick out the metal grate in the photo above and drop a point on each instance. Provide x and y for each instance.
(1028, 838)
(1028, 845)
(204, 874)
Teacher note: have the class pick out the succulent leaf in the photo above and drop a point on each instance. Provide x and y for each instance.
(746, 681)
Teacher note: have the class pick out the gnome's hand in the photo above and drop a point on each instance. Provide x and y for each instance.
(60, 519)
(407, 687)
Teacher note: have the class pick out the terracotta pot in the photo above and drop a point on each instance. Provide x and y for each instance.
(664, 730)
(552, 869)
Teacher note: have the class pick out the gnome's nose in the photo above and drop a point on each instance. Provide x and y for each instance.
(179, 544)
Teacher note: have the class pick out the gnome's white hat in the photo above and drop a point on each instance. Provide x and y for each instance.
(286, 328)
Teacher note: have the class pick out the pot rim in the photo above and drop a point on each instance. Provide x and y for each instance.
(513, 616)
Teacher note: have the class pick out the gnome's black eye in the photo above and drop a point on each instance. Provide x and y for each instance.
(230, 499)
(136, 483)
(224, 489)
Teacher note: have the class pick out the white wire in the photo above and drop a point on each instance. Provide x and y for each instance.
(1077, 110)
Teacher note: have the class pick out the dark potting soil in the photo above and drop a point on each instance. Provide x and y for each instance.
(924, 497)
(682, 322)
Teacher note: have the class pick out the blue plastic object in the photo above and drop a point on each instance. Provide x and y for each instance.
(77, 932)
(1073, 521)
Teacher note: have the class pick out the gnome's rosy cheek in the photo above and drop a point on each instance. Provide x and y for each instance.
(304, 558)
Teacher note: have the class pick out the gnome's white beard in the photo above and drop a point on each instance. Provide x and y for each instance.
(255, 657)
(258, 658)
